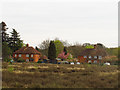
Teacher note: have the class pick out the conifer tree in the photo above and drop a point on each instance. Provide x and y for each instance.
(14, 41)
(52, 51)
(65, 50)
(5, 36)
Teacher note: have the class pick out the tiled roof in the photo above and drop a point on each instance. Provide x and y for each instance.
(27, 50)
(93, 52)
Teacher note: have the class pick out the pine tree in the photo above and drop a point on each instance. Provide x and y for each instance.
(65, 50)
(4, 48)
(14, 41)
(52, 51)
(5, 36)
(37, 48)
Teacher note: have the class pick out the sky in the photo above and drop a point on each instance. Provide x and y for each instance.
(82, 21)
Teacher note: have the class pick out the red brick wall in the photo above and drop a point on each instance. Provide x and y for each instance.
(35, 57)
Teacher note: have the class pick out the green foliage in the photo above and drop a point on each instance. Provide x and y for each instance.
(52, 51)
(70, 56)
(90, 46)
(14, 41)
(65, 50)
(10, 69)
(20, 60)
(59, 47)
(37, 48)
(112, 51)
(6, 51)
(40, 61)
(5, 36)
(7, 59)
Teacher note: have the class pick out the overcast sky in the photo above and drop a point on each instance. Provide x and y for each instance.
(82, 21)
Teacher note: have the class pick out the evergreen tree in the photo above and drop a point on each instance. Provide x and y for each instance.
(52, 51)
(37, 48)
(5, 36)
(14, 41)
(65, 50)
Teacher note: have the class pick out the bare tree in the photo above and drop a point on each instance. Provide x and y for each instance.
(44, 44)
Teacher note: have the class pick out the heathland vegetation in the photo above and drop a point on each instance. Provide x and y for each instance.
(36, 75)
(44, 75)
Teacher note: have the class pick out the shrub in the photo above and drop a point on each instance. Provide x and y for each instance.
(7, 59)
(20, 60)
(40, 61)
(10, 69)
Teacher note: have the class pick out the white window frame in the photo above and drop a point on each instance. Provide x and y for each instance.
(31, 55)
(27, 60)
(85, 56)
(89, 61)
(95, 57)
(95, 61)
(27, 55)
(19, 55)
(90, 57)
(100, 57)
(15, 55)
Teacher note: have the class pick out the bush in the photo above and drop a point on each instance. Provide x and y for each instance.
(7, 59)
(20, 60)
(40, 61)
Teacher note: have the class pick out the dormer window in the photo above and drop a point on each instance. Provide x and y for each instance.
(85, 56)
(100, 57)
(27, 55)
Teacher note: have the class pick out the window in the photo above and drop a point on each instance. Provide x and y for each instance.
(89, 61)
(100, 57)
(27, 60)
(31, 55)
(19, 55)
(95, 57)
(90, 57)
(85, 56)
(27, 55)
(95, 61)
(15, 55)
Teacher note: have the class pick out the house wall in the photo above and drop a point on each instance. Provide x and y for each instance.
(35, 57)
(81, 59)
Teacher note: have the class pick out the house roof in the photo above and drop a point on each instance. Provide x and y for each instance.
(27, 50)
(93, 52)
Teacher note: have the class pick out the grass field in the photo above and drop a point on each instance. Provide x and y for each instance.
(34, 75)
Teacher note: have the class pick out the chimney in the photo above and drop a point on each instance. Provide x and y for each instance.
(27, 45)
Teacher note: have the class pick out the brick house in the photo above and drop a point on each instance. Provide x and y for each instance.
(27, 53)
(92, 55)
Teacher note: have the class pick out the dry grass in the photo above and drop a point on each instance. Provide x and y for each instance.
(33, 75)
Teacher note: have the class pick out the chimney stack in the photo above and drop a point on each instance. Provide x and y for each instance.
(27, 45)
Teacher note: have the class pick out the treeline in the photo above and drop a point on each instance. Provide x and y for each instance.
(10, 42)
(74, 50)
